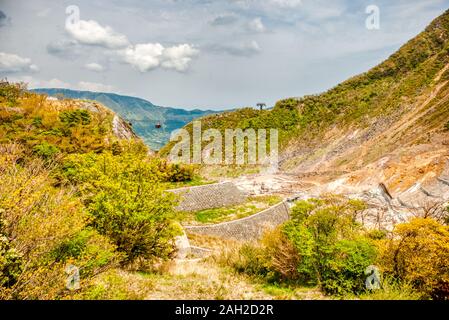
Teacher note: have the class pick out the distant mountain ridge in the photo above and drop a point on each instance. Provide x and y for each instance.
(142, 114)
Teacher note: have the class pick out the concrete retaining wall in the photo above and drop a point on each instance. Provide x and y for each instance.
(209, 196)
(248, 228)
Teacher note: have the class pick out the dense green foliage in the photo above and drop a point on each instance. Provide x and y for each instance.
(45, 150)
(126, 201)
(42, 127)
(75, 117)
(419, 254)
(39, 221)
(324, 245)
(71, 193)
(330, 244)
(284, 117)
(10, 93)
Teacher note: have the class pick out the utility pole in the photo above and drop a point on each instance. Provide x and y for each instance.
(261, 105)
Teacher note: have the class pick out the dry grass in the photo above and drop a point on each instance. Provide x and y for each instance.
(117, 284)
(200, 280)
(211, 242)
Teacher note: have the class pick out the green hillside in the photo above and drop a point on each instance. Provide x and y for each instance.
(73, 192)
(142, 114)
(80, 191)
(379, 107)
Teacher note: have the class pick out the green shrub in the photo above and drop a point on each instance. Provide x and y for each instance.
(75, 117)
(45, 150)
(344, 268)
(126, 202)
(37, 222)
(37, 121)
(282, 258)
(322, 244)
(391, 289)
(289, 104)
(11, 92)
(303, 241)
(91, 251)
(248, 258)
(179, 173)
(377, 234)
(330, 243)
(137, 217)
(418, 253)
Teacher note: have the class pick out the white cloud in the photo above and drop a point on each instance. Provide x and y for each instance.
(245, 49)
(144, 56)
(178, 57)
(44, 13)
(252, 46)
(256, 25)
(94, 86)
(10, 63)
(286, 3)
(96, 67)
(65, 48)
(320, 10)
(149, 56)
(224, 19)
(92, 33)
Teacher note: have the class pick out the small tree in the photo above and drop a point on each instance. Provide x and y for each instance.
(330, 244)
(40, 228)
(126, 202)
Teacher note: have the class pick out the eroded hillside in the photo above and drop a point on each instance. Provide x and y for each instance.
(388, 125)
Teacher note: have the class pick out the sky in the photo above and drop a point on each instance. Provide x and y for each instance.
(207, 54)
